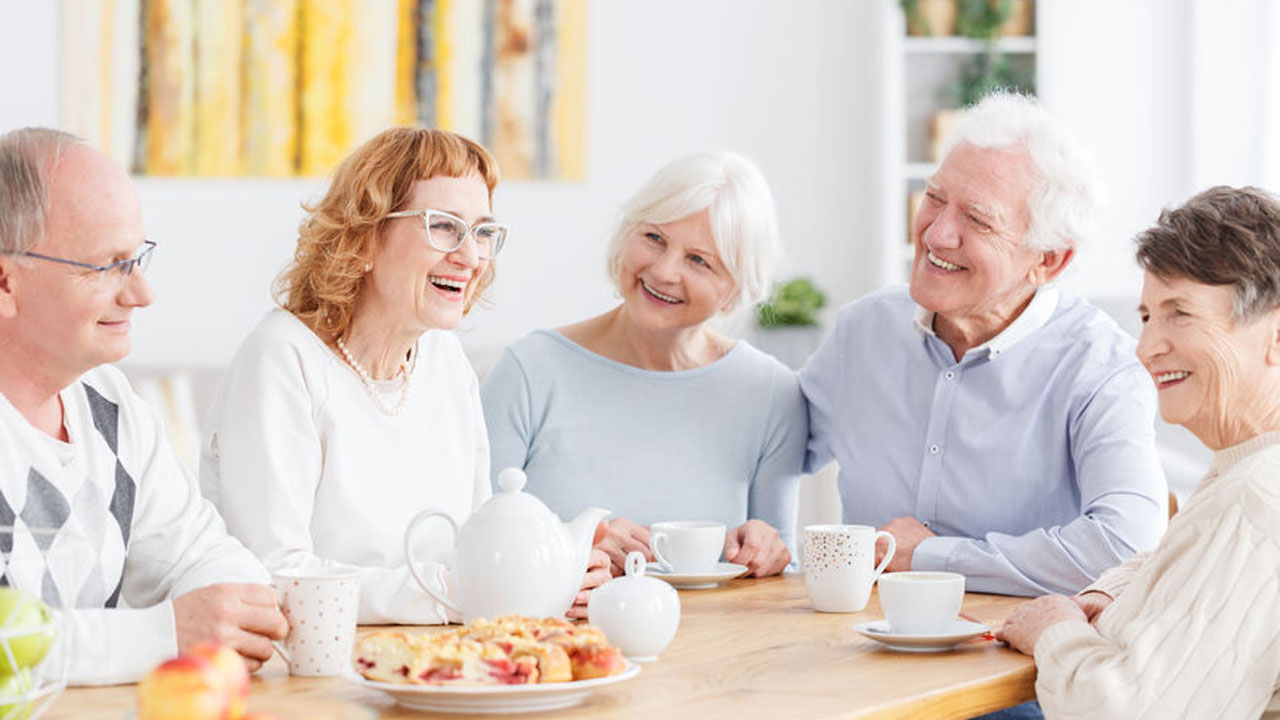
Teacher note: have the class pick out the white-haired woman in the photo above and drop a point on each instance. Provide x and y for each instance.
(1191, 629)
(647, 410)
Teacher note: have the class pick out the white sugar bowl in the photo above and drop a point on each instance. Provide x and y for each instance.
(638, 614)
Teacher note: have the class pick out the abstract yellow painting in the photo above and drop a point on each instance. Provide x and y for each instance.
(276, 88)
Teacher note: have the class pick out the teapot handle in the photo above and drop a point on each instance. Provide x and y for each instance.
(408, 554)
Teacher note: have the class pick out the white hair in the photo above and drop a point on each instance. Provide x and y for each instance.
(27, 160)
(1064, 202)
(739, 205)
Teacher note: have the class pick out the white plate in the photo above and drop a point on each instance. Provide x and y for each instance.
(960, 631)
(494, 698)
(697, 581)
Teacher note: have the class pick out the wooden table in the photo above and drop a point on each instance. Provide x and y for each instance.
(749, 649)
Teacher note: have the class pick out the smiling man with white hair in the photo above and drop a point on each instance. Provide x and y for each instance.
(994, 424)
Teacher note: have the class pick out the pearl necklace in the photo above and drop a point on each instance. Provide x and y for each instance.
(373, 390)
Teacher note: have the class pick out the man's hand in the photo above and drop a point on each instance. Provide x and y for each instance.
(244, 617)
(1092, 604)
(907, 533)
(757, 545)
(1023, 628)
(624, 536)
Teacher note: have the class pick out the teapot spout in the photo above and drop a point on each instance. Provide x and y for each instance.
(581, 530)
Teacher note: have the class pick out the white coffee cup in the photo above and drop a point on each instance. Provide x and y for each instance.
(321, 606)
(839, 565)
(687, 547)
(921, 603)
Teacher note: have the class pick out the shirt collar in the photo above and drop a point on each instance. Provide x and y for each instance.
(1036, 314)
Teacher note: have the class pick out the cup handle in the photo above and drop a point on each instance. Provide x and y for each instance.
(888, 556)
(660, 539)
(408, 554)
(284, 654)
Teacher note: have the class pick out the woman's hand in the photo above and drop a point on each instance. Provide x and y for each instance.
(757, 545)
(597, 575)
(622, 537)
(1023, 628)
(1092, 604)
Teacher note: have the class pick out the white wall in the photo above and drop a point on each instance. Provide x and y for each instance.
(1171, 96)
(782, 83)
(1114, 73)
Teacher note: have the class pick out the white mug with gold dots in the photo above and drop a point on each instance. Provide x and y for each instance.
(321, 606)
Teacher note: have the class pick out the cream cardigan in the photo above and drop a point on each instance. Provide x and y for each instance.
(1194, 631)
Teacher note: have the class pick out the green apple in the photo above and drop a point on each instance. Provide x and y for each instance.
(19, 611)
(12, 687)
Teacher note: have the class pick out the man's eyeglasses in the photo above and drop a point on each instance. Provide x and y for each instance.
(446, 232)
(116, 273)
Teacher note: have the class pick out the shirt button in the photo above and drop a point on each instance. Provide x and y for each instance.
(950, 375)
(934, 449)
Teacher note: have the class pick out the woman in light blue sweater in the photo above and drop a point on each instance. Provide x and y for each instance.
(648, 411)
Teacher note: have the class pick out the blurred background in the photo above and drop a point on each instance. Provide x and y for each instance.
(834, 99)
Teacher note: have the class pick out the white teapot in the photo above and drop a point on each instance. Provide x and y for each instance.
(513, 555)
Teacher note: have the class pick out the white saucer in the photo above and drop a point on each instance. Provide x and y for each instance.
(697, 581)
(960, 631)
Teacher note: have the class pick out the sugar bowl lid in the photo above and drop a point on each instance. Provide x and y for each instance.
(634, 585)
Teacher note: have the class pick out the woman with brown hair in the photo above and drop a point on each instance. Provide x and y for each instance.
(1191, 629)
(352, 407)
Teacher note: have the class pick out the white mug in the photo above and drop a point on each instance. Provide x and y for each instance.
(839, 565)
(321, 606)
(921, 603)
(687, 547)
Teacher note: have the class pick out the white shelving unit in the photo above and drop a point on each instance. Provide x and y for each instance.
(914, 74)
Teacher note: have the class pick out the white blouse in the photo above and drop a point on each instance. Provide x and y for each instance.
(308, 471)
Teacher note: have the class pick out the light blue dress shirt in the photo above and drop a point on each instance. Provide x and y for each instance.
(1033, 457)
(723, 442)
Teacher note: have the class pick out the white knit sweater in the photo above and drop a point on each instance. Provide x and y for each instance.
(1194, 631)
(108, 527)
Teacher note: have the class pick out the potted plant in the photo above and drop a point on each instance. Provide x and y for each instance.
(984, 74)
(787, 323)
(982, 19)
(930, 17)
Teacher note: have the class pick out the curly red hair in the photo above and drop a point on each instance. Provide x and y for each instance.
(336, 238)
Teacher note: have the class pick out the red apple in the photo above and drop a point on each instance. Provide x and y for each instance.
(234, 673)
(187, 687)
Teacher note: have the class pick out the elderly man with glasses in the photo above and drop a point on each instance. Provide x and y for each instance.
(97, 516)
(997, 426)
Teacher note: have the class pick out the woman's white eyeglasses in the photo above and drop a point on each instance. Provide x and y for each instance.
(446, 232)
(118, 271)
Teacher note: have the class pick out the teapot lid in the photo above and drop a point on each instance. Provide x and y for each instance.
(511, 502)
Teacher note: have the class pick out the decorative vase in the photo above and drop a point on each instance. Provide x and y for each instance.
(790, 344)
(1020, 17)
(940, 126)
(933, 17)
